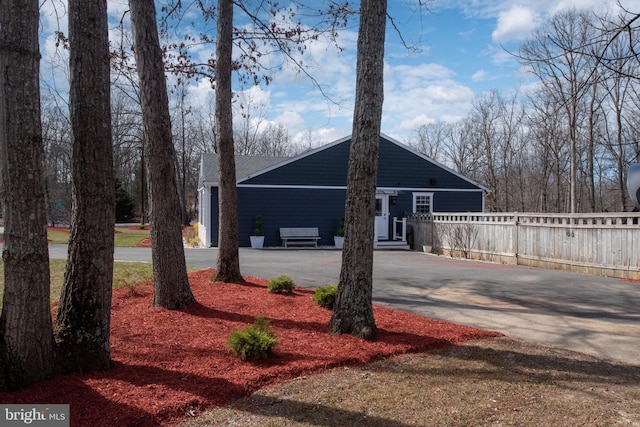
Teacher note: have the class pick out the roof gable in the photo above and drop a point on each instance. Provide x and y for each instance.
(324, 166)
(399, 166)
(245, 166)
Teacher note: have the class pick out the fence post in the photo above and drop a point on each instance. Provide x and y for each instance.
(516, 224)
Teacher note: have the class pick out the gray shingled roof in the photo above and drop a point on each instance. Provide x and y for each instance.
(245, 166)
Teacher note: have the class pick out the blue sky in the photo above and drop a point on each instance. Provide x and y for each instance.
(459, 52)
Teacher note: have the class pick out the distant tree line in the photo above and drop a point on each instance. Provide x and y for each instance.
(566, 144)
(193, 134)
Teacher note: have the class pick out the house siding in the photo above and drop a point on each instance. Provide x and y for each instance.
(401, 168)
(283, 207)
(328, 167)
(457, 201)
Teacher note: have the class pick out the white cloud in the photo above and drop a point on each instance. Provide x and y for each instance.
(117, 9)
(500, 56)
(422, 94)
(409, 76)
(291, 120)
(516, 23)
(254, 97)
(415, 122)
(313, 138)
(596, 5)
(479, 75)
(201, 95)
(53, 17)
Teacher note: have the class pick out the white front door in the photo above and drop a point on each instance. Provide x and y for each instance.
(382, 217)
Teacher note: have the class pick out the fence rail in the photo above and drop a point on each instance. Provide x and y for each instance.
(605, 244)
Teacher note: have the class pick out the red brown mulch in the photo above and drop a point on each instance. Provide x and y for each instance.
(144, 243)
(168, 364)
(137, 227)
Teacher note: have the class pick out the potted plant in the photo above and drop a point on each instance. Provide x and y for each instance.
(257, 239)
(338, 239)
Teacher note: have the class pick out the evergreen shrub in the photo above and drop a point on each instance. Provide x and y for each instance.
(282, 283)
(326, 296)
(253, 342)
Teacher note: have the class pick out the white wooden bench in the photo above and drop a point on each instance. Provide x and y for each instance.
(306, 235)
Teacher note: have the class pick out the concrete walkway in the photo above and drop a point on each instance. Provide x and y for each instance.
(594, 315)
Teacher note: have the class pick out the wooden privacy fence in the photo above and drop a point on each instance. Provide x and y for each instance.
(605, 244)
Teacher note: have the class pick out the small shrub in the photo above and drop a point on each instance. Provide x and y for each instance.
(341, 228)
(257, 226)
(282, 283)
(253, 342)
(131, 280)
(326, 296)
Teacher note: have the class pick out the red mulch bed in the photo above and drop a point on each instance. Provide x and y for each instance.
(144, 243)
(168, 363)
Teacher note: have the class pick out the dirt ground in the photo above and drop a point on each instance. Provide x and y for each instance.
(488, 382)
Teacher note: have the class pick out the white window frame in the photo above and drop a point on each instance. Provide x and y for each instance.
(415, 197)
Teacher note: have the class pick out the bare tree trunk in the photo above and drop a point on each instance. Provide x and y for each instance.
(170, 280)
(26, 338)
(82, 326)
(228, 264)
(353, 310)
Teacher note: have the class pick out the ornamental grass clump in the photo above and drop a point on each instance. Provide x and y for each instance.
(326, 296)
(253, 342)
(131, 279)
(281, 284)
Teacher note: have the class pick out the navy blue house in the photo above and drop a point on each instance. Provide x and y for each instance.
(309, 191)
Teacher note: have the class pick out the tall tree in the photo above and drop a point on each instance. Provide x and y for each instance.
(554, 55)
(26, 338)
(353, 310)
(228, 263)
(182, 157)
(170, 282)
(83, 323)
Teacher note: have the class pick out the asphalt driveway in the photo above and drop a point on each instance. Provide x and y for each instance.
(590, 314)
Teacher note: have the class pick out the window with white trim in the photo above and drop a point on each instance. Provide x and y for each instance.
(422, 202)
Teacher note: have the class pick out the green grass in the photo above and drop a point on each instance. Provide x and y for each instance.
(125, 274)
(59, 237)
(56, 270)
(123, 237)
(129, 238)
